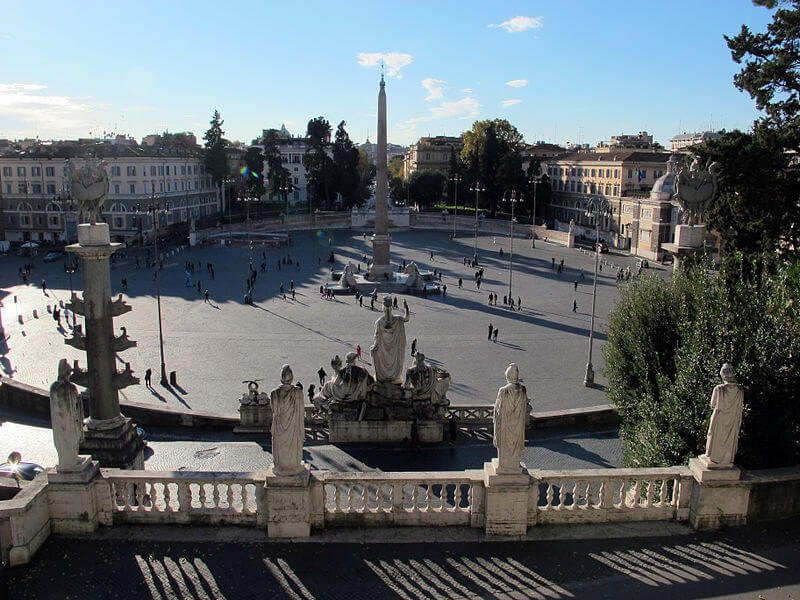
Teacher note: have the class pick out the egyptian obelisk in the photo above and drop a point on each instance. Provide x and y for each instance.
(380, 239)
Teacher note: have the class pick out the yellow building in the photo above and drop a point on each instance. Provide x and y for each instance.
(431, 154)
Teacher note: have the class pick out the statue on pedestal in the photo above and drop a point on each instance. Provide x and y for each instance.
(288, 425)
(695, 188)
(427, 382)
(66, 416)
(510, 416)
(89, 187)
(727, 404)
(389, 347)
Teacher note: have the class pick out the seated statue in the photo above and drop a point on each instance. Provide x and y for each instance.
(350, 383)
(427, 382)
(414, 280)
(348, 276)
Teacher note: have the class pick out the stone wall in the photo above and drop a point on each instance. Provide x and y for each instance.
(774, 494)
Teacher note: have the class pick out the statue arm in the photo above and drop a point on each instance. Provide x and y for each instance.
(407, 316)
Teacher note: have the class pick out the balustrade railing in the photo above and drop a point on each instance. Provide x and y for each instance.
(475, 416)
(594, 495)
(441, 498)
(184, 497)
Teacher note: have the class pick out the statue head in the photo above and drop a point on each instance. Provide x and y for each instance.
(512, 373)
(387, 303)
(351, 358)
(286, 374)
(727, 373)
(419, 358)
(336, 364)
(64, 370)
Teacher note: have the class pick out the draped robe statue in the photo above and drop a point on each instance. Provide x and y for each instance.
(510, 415)
(389, 347)
(426, 381)
(727, 403)
(288, 425)
(66, 416)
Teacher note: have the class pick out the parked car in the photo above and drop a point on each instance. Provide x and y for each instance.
(53, 256)
(602, 247)
(26, 470)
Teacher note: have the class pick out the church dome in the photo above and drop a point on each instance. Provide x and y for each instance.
(664, 186)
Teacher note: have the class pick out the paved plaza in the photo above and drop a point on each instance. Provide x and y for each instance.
(216, 346)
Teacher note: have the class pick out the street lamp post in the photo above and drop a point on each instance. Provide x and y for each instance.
(456, 179)
(535, 181)
(154, 210)
(603, 208)
(514, 198)
(285, 189)
(477, 188)
(71, 267)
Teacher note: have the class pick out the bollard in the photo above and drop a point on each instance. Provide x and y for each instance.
(49, 310)
(61, 303)
(21, 322)
(15, 299)
(173, 379)
(35, 314)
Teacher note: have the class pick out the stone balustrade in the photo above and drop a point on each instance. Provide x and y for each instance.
(414, 499)
(24, 523)
(472, 416)
(601, 495)
(185, 497)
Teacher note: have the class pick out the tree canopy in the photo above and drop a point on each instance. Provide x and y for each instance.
(347, 179)
(278, 176)
(426, 187)
(215, 159)
(318, 164)
(254, 175)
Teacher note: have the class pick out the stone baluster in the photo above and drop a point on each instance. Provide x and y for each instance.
(650, 491)
(607, 493)
(229, 496)
(351, 498)
(202, 495)
(184, 497)
(215, 495)
(397, 497)
(168, 497)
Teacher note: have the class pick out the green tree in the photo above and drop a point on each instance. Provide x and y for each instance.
(426, 187)
(254, 176)
(397, 184)
(215, 159)
(366, 174)
(667, 340)
(318, 164)
(278, 176)
(346, 176)
(491, 156)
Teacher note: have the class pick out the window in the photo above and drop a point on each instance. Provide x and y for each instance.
(36, 171)
(630, 173)
(54, 220)
(152, 171)
(25, 221)
(37, 188)
(295, 180)
(571, 186)
(131, 171)
(160, 169)
(592, 172)
(183, 169)
(22, 188)
(50, 171)
(6, 171)
(115, 171)
(20, 171)
(8, 188)
(132, 188)
(116, 188)
(616, 173)
(119, 222)
(169, 186)
(195, 169)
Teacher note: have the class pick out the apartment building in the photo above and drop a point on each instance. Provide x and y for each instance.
(431, 154)
(35, 196)
(684, 141)
(636, 185)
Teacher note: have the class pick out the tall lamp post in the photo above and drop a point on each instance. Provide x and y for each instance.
(535, 182)
(514, 198)
(155, 211)
(285, 189)
(70, 267)
(456, 179)
(597, 208)
(477, 188)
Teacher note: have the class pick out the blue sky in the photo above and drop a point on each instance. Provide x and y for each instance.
(561, 70)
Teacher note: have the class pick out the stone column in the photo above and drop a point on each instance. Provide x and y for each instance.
(110, 437)
(380, 240)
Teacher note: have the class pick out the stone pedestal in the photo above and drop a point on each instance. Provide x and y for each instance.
(78, 498)
(380, 258)
(254, 418)
(115, 443)
(288, 501)
(688, 240)
(507, 497)
(719, 497)
(343, 431)
(570, 239)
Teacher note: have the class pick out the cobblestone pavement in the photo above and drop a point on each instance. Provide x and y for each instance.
(188, 450)
(214, 346)
(631, 561)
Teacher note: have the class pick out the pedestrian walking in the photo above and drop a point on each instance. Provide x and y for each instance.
(405, 305)
(44, 287)
(494, 335)
(361, 300)
(444, 290)
(501, 253)
(575, 285)
(205, 296)
(372, 303)
(358, 351)
(322, 374)
(311, 391)
(414, 347)
(293, 291)
(478, 283)
(562, 263)
(460, 282)
(491, 329)
(519, 302)
(553, 262)
(574, 305)
(148, 378)
(291, 284)
(431, 254)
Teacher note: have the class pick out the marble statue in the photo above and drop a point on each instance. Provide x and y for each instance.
(350, 383)
(89, 186)
(695, 188)
(66, 416)
(348, 276)
(510, 416)
(727, 403)
(288, 425)
(426, 381)
(572, 225)
(389, 347)
(414, 280)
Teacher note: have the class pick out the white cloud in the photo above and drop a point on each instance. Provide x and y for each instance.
(466, 90)
(435, 88)
(517, 83)
(512, 102)
(518, 24)
(460, 109)
(394, 61)
(26, 102)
